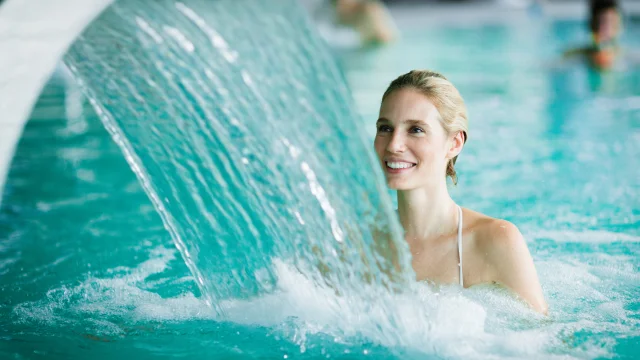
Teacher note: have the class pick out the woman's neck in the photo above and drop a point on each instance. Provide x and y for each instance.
(426, 213)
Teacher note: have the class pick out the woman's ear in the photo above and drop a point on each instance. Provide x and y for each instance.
(457, 143)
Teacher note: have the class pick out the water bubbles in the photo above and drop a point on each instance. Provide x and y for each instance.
(144, 26)
(180, 38)
(318, 191)
(293, 150)
(216, 39)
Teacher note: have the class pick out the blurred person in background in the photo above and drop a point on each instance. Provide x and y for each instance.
(368, 17)
(605, 24)
(352, 22)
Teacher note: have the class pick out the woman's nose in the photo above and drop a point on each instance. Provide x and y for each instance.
(397, 143)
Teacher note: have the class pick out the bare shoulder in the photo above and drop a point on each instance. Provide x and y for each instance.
(507, 256)
(501, 241)
(491, 233)
(500, 235)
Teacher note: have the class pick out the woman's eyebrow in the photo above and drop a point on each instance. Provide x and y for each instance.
(417, 122)
(409, 121)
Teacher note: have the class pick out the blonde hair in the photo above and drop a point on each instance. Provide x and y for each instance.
(445, 97)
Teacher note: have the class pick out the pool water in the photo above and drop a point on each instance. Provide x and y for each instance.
(89, 268)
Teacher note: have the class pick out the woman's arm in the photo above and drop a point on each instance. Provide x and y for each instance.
(512, 265)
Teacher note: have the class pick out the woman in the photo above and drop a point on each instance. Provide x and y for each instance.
(421, 129)
(605, 24)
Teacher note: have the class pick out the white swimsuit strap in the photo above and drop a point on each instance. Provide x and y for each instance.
(460, 244)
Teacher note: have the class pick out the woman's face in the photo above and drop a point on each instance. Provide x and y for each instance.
(411, 144)
(609, 25)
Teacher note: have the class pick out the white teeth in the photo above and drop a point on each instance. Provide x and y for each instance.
(399, 165)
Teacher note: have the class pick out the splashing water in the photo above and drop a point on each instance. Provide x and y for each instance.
(245, 150)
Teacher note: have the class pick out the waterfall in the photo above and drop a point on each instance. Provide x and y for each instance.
(238, 123)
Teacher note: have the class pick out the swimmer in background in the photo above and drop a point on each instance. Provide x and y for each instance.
(605, 24)
(368, 17)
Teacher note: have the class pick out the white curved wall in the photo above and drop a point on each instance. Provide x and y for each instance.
(34, 35)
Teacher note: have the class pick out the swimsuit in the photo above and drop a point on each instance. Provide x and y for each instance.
(460, 243)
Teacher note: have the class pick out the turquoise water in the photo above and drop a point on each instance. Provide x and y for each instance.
(89, 263)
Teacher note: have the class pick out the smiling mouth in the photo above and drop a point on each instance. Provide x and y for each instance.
(398, 165)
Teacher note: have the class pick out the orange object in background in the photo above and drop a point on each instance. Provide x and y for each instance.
(603, 59)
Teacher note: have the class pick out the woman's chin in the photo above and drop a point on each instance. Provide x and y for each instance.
(397, 185)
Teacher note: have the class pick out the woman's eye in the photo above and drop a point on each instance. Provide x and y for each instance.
(415, 130)
(384, 128)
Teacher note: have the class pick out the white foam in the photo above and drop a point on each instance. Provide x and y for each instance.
(586, 236)
(481, 322)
